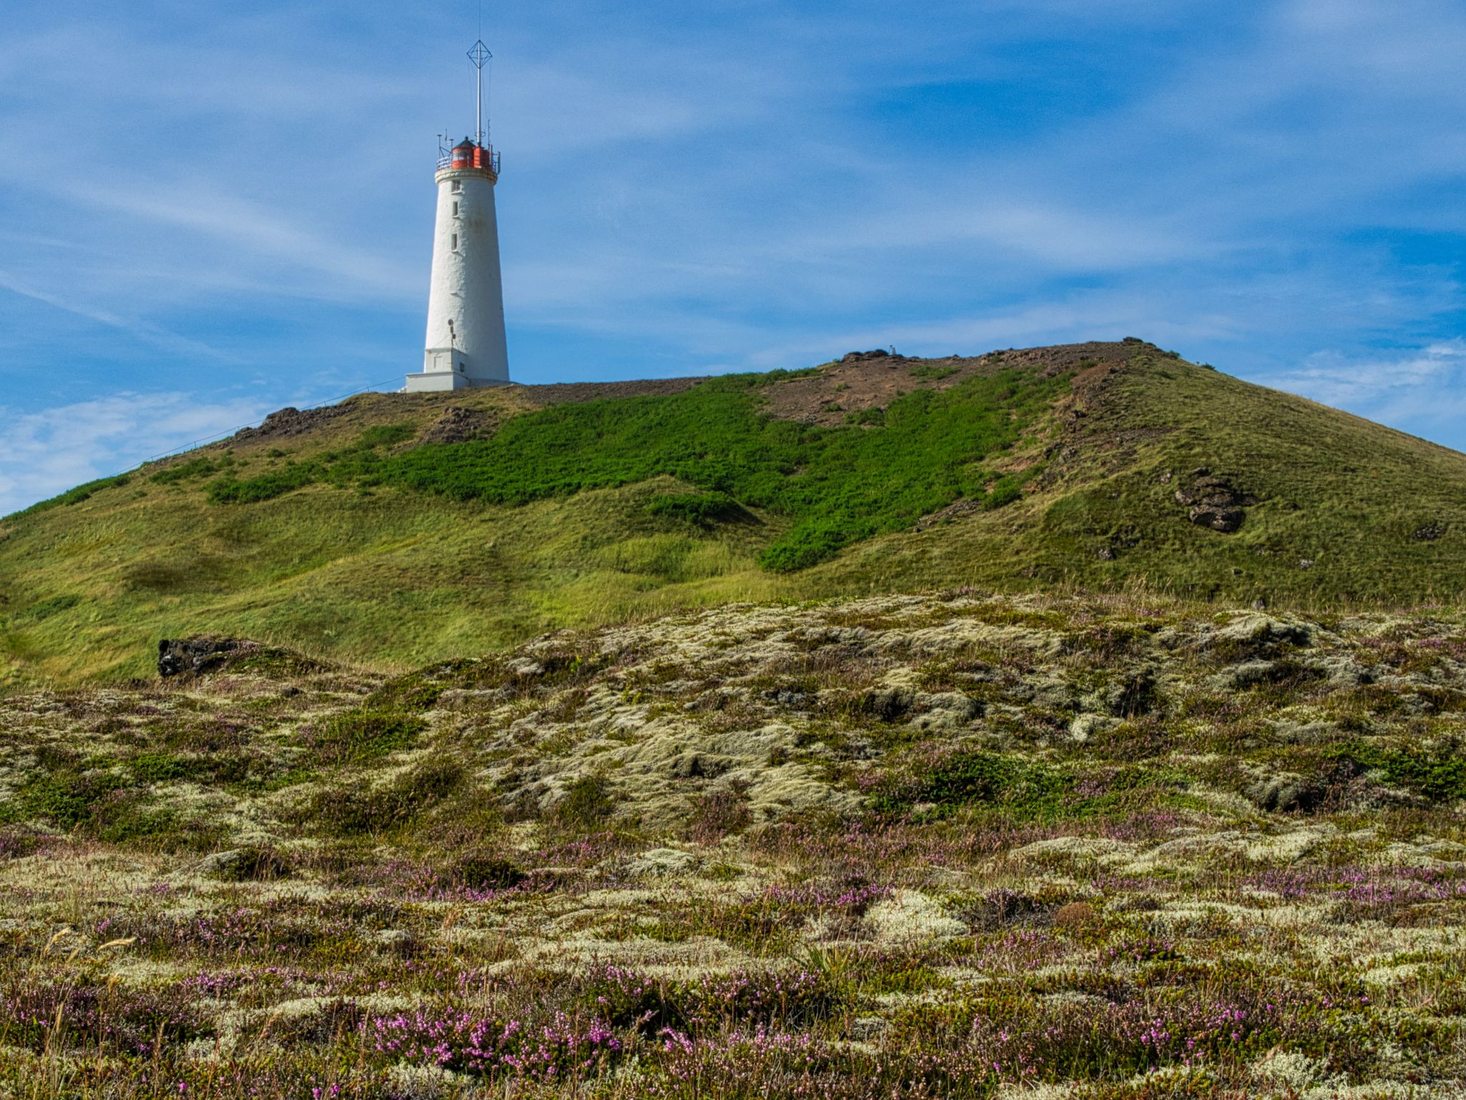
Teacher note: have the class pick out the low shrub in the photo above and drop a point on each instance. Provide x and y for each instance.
(719, 812)
(359, 736)
(959, 779)
(77, 495)
(699, 509)
(587, 804)
(358, 808)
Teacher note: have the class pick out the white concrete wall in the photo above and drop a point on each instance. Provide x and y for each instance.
(467, 286)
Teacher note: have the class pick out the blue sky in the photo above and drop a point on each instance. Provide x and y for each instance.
(208, 211)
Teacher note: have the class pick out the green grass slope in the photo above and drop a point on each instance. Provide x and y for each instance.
(1348, 513)
(398, 529)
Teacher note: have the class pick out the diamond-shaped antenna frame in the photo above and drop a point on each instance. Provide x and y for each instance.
(480, 56)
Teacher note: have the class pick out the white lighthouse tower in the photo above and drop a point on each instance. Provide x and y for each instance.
(465, 343)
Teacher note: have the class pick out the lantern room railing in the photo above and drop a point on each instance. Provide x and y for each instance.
(488, 159)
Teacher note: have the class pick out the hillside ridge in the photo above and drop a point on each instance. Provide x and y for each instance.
(394, 529)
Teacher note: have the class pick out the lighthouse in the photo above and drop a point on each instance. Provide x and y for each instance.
(465, 338)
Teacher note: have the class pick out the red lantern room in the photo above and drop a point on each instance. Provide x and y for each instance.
(466, 154)
(469, 154)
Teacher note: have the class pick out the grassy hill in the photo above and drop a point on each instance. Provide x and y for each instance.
(393, 530)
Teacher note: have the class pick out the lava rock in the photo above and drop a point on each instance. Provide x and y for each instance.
(1215, 502)
(1429, 532)
(1286, 793)
(890, 704)
(284, 423)
(194, 656)
(699, 765)
(1225, 520)
(1260, 634)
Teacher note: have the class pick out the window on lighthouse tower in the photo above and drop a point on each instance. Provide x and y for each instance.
(455, 242)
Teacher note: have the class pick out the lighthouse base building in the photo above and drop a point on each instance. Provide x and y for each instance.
(465, 340)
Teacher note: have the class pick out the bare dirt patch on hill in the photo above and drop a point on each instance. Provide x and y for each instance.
(851, 389)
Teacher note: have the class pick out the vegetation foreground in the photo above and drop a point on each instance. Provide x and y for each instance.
(964, 846)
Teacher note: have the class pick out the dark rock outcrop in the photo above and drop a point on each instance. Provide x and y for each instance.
(955, 510)
(1429, 532)
(1215, 502)
(284, 423)
(875, 353)
(194, 656)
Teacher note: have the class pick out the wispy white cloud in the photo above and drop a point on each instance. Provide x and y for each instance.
(1059, 237)
(153, 334)
(45, 453)
(1422, 385)
(620, 129)
(1420, 390)
(205, 209)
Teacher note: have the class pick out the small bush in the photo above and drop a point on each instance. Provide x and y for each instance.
(1018, 786)
(77, 495)
(1005, 491)
(1436, 771)
(53, 606)
(158, 767)
(68, 799)
(699, 509)
(806, 545)
(932, 372)
(484, 870)
(362, 735)
(267, 486)
(587, 804)
(357, 809)
(873, 417)
(719, 812)
(186, 471)
(386, 435)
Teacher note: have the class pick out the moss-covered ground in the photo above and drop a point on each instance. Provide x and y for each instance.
(951, 846)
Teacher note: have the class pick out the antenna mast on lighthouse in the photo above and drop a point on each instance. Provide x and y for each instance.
(480, 56)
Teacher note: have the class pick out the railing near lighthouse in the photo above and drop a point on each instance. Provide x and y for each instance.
(485, 157)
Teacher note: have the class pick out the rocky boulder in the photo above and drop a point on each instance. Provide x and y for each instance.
(288, 422)
(1429, 532)
(1214, 502)
(194, 656)
(869, 356)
